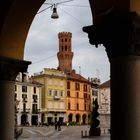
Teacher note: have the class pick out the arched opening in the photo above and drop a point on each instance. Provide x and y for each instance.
(70, 117)
(12, 38)
(50, 120)
(77, 118)
(34, 120)
(84, 117)
(14, 33)
(24, 119)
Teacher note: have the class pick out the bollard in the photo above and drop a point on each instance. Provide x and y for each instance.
(82, 133)
(85, 133)
(89, 133)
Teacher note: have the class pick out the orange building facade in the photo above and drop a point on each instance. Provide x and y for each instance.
(78, 101)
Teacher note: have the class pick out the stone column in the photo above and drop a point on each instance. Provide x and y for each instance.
(9, 69)
(120, 35)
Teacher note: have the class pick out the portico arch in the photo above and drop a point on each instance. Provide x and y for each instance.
(16, 18)
(84, 119)
(70, 117)
(78, 118)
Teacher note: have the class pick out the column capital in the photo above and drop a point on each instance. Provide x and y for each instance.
(120, 34)
(9, 68)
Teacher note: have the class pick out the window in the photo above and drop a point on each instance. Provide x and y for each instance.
(49, 104)
(77, 86)
(62, 48)
(55, 104)
(15, 96)
(66, 48)
(50, 92)
(61, 93)
(77, 106)
(35, 98)
(34, 89)
(34, 108)
(68, 85)
(68, 93)
(94, 92)
(62, 40)
(24, 88)
(85, 95)
(77, 94)
(69, 106)
(24, 96)
(62, 105)
(55, 93)
(65, 39)
(85, 87)
(15, 87)
(24, 107)
(85, 106)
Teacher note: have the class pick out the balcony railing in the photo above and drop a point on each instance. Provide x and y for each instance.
(57, 97)
(25, 110)
(36, 111)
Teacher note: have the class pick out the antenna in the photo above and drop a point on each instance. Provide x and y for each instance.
(80, 70)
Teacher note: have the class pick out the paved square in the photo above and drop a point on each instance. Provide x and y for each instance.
(49, 133)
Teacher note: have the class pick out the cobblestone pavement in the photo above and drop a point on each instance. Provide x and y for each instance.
(49, 133)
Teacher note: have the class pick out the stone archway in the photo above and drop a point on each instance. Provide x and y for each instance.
(78, 117)
(84, 118)
(70, 117)
(13, 34)
(24, 119)
(34, 120)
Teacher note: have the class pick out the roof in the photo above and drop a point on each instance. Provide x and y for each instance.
(30, 82)
(77, 77)
(105, 84)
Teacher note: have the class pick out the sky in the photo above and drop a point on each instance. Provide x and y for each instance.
(42, 41)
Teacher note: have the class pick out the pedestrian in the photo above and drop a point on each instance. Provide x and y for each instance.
(55, 125)
(59, 126)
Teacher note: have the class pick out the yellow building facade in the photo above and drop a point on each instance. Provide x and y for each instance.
(54, 95)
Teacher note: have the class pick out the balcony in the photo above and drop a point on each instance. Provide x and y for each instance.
(36, 111)
(25, 110)
(56, 97)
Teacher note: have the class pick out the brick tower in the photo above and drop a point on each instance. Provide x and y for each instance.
(65, 53)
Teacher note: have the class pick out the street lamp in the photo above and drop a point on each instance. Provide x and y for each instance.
(54, 14)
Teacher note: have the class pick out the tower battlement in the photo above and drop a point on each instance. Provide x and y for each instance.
(65, 53)
(64, 34)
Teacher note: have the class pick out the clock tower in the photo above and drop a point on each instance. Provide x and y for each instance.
(65, 53)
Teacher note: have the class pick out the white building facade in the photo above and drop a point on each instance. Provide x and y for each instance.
(28, 98)
(104, 105)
